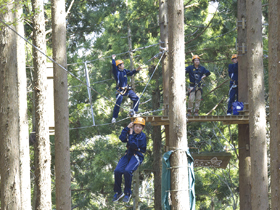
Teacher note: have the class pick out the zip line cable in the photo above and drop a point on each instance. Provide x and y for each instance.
(211, 38)
(61, 65)
(103, 57)
(84, 63)
(90, 126)
(149, 80)
(137, 49)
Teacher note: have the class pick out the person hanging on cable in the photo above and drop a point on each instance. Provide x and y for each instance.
(136, 145)
(196, 75)
(122, 89)
(233, 74)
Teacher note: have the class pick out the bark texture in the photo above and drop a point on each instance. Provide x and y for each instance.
(42, 143)
(9, 123)
(274, 100)
(257, 114)
(163, 21)
(23, 118)
(62, 150)
(177, 106)
(243, 130)
(156, 136)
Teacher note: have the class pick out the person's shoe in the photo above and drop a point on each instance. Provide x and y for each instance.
(196, 113)
(114, 120)
(189, 113)
(126, 198)
(117, 197)
(228, 114)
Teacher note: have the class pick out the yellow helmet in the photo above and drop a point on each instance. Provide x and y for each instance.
(139, 120)
(233, 56)
(118, 62)
(195, 56)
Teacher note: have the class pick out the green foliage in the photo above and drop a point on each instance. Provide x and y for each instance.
(96, 29)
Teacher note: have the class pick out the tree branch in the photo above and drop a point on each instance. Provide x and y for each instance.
(216, 87)
(215, 106)
(191, 5)
(69, 8)
(203, 30)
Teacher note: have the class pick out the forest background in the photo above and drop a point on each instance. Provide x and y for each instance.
(96, 29)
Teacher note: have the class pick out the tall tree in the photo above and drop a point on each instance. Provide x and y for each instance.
(177, 106)
(274, 100)
(163, 14)
(243, 130)
(257, 114)
(23, 118)
(62, 146)
(9, 115)
(156, 136)
(42, 142)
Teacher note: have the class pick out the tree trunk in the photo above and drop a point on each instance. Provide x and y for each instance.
(274, 103)
(163, 14)
(136, 178)
(243, 130)
(23, 118)
(177, 106)
(156, 136)
(9, 115)
(257, 115)
(62, 152)
(42, 143)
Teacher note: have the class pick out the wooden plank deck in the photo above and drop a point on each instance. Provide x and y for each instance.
(232, 119)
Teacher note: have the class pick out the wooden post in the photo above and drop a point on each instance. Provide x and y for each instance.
(243, 130)
(274, 100)
(177, 107)
(257, 114)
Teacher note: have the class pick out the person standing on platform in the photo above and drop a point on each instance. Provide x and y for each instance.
(136, 145)
(196, 75)
(233, 74)
(122, 89)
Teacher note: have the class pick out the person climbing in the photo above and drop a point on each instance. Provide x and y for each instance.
(136, 144)
(196, 75)
(122, 89)
(233, 74)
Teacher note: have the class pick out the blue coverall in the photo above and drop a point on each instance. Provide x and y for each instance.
(233, 74)
(196, 74)
(136, 146)
(121, 80)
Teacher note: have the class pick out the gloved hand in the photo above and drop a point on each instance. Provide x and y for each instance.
(190, 89)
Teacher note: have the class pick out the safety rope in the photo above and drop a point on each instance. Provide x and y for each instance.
(90, 126)
(149, 80)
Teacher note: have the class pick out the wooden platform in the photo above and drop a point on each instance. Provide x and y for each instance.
(232, 119)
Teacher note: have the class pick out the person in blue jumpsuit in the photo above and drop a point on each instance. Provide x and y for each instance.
(120, 75)
(233, 74)
(136, 144)
(196, 75)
